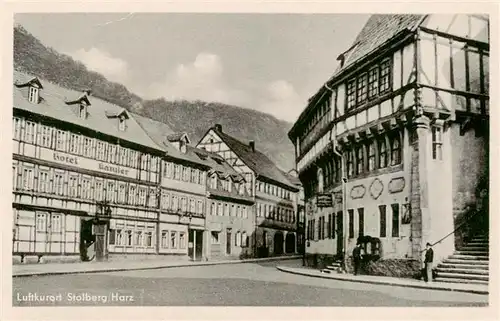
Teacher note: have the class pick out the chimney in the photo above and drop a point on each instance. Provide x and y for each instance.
(252, 145)
(218, 127)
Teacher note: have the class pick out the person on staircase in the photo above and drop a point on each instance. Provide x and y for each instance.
(429, 257)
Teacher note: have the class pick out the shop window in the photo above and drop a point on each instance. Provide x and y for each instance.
(129, 238)
(119, 237)
(138, 238)
(112, 236)
(41, 222)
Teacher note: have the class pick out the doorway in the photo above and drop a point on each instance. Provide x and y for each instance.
(195, 244)
(290, 243)
(278, 243)
(228, 241)
(340, 234)
(92, 240)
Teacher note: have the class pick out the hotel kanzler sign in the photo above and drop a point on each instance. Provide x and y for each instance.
(86, 163)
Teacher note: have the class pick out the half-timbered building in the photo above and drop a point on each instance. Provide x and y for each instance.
(404, 121)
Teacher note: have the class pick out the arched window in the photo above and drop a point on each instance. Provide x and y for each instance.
(371, 156)
(359, 160)
(382, 161)
(395, 150)
(350, 163)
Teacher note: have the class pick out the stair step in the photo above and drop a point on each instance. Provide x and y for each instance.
(466, 265)
(467, 271)
(474, 248)
(463, 276)
(452, 280)
(473, 253)
(469, 257)
(471, 262)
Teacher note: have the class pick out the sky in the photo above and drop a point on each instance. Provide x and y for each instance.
(267, 62)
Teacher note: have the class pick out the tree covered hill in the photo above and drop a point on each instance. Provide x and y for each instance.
(193, 117)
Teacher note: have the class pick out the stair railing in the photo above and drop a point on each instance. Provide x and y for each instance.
(476, 213)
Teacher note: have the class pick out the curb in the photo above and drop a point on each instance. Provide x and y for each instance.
(382, 282)
(156, 267)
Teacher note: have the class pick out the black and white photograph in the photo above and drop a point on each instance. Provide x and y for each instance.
(250, 159)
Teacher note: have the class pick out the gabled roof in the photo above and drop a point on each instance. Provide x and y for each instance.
(378, 30)
(258, 162)
(54, 106)
(26, 80)
(222, 168)
(175, 137)
(158, 132)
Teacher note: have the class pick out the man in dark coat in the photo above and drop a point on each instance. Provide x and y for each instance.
(429, 257)
(356, 255)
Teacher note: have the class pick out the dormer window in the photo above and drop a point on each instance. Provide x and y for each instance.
(83, 111)
(121, 123)
(33, 94)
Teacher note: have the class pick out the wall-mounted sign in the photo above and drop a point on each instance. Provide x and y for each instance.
(324, 200)
(86, 163)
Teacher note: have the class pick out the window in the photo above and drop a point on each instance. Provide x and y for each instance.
(373, 82)
(219, 209)
(237, 239)
(41, 222)
(110, 192)
(16, 126)
(385, 67)
(86, 188)
(177, 171)
(61, 140)
(58, 183)
(73, 186)
(332, 225)
(45, 137)
(395, 150)
(244, 239)
(74, 142)
(214, 238)
(383, 226)
(33, 95)
(43, 182)
(350, 163)
(129, 238)
(173, 240)
(351, 223)
(121, 193)
(351, 94)
(395, 220)
(56, 223)
(164, 239)
(182, 240)
(359, 160)
(382, 153)
(142, 196)
(321, 234)
(112, 236)
(371, 156)
(361, 221)
(184, 204)
(138, 238)
(245, 213)
(213, 209)
(362, 88)
(98, 190)
(121, 123)
(200, 207)
(437, 142)
(29, 135)
(149, 238)
(168, 170)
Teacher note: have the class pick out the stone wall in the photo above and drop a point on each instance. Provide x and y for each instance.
(401, 268)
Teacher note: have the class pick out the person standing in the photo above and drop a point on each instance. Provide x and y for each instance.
(429, 257)
(356, 255)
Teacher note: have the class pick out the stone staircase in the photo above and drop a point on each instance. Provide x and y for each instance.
(469, 264)
(335, 267)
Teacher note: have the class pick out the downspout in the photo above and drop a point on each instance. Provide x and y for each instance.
(344, 193)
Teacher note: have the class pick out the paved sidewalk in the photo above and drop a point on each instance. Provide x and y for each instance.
(459, 287)
(21, 270)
